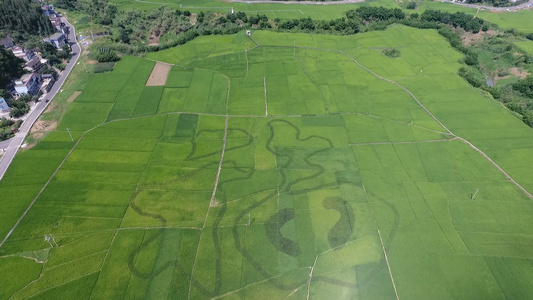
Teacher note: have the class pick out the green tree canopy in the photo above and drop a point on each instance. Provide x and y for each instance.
(10, 67)
(25, 17)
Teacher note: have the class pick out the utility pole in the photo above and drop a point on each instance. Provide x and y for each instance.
(68, 129)
(47, 238)
(474, 194)
(53, 239)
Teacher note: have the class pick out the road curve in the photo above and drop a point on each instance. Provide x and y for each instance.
(525, 5)
(14, 144)
(297, 2)
(264, 2)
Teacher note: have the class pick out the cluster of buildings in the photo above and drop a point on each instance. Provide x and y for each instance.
(33, 82)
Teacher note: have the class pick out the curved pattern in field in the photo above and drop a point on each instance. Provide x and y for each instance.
(277, 169)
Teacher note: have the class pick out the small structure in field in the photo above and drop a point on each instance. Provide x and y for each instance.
(248, 32)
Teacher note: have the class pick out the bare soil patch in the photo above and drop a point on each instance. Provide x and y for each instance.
(41, 125)
(159, 75)
(193, 18)
(73, 96)
(153, 40)
(516, 72)
(50, 107)
(470, 38)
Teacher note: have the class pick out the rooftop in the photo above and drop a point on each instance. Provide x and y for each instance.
(33, 62)
(25, 78)
(56, 36)
(6, 41)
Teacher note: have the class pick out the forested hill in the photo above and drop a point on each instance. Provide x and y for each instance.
(24, 16)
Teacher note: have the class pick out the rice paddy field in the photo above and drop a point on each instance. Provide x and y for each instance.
(282, 166)
(526, 46)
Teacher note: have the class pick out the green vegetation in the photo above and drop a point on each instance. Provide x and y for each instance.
(102, 67)
(10, 67)
(495, 3)
(24, 17)
(393, 53)
(7, 126)
(324, 165)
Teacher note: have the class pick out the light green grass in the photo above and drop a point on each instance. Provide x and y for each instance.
(526, 46)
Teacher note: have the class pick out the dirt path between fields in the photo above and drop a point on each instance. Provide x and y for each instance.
(159, 74)
(443, 126)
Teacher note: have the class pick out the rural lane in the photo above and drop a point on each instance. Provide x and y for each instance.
(525, 5)
(14, 144)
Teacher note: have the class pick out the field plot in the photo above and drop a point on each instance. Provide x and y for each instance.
(285, 170)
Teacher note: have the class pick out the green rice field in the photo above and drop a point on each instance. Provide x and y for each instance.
(526, 46)
(282, 166)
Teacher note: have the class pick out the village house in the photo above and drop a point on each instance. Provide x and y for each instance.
(48, 10)
(60, 26)
(28, 84)
(34, 65)
(25, 54)
(57, 39)
(48, 82)
(6, 42)
(3, 105)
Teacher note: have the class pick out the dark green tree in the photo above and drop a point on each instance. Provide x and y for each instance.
(10, 67)
(24, 16)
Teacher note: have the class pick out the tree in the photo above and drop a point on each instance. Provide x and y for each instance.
(411, 5)
(66, 48)
(471, 59)
(66, 4)
(48, 49)
(525, 86)
(25, 17)
(10, 67)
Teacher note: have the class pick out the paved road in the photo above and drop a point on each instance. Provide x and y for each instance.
(263, 2)
(525, 5)
(14, 144)
(517, 7)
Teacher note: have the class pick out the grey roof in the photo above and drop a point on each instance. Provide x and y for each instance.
(5, 41)
(56, 36)
(35, 61)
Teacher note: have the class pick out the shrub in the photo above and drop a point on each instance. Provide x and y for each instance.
(393, 53)
(102, 67)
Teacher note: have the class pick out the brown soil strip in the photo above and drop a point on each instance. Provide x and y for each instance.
(516, 72)
(153, 40)
(41, 125)
(159, 75)
(193, 18)
(73, 96)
